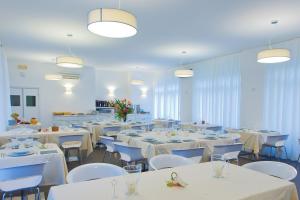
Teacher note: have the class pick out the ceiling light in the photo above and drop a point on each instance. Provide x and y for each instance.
(184, 73)
(273, 56)
(112, 23)
(69, 62)
(137, 82)
(53, 77)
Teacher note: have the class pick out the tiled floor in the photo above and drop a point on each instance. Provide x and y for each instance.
(97, 156)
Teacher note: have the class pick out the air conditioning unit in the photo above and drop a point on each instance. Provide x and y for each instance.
(70, 76)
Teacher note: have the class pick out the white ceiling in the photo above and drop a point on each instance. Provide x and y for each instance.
(35, 30)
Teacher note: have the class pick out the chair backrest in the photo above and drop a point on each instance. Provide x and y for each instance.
(22, 171)
(138, 127)
(194, 154)
(128, 153)
(276, 140)
(168, 161)
(214, 128)
(229, 151)
(69, 138)
(108, 142)
(111, 129)
(94, 171)
(272, 168)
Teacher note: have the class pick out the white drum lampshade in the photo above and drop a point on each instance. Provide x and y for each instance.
(69, 62)
(112, 23)
(273, 56)
(184, 73)
(53, 77)
(137, 82)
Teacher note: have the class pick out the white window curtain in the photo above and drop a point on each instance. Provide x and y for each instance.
(282, 98)
(166, 97)
(5, 108)
(216, 91)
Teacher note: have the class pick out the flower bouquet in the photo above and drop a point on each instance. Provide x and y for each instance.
(122, 108)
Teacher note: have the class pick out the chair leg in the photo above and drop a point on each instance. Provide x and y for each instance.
(286, 155)
(3, 196)
(79, 156)
(37, 194)
(104, 156)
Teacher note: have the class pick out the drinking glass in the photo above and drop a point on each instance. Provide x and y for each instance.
(218, 165)
(132, 179)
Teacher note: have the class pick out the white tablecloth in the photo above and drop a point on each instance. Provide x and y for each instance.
(55, 170)
(238, 184)
(96, 129)
(149, 150)
(252, 139)
(53, 137)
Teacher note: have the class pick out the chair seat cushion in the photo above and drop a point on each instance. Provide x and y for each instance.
(20, 184)
(71, 144)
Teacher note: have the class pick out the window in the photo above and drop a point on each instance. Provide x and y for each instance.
(166, 98)
(31, 101)
(15, 100)
(216, 92)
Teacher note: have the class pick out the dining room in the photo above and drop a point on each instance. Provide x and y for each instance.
(126, 99)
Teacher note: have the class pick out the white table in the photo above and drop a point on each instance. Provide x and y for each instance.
(238, 184)
(149, 149)
(195, 127)
(96, 129)
(55, 170)
(252, 139)
(53, 137)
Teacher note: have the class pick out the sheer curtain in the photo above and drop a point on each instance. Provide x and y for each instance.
(166, 97)
(216, 91)
(282, 98)
(5, 109)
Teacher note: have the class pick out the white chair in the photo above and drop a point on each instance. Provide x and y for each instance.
(194, 154)
(130, 154)
(111, 130)
(229, 151)
(277, 142)
(94, 171)
(272, 168)
(69, 143)
(22, 178)
(168, 161)
(110, 147)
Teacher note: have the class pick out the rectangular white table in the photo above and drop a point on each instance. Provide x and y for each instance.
(55, 170)
(52, 137)
(252, 139)
(149, 149)
(96, 128)
(238, 184)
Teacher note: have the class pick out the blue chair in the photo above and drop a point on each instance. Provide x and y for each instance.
(129, 154)
(12, 122)
(277, 142)
(215, 128)
(139, 127)
(111, 130)
(69, 143)
(110, 147)
(194, 154)
(229, 151)
(22, 178)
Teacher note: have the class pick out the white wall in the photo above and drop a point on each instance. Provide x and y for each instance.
(52, 93)
(93, 84)
(252, 89)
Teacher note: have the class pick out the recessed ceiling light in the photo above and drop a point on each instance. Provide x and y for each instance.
(112, 23)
